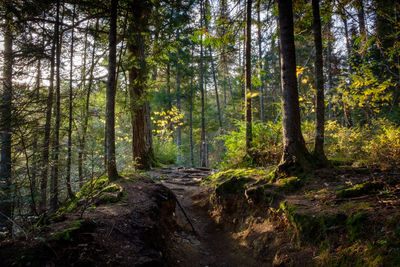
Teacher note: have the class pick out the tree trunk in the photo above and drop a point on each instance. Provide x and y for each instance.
(213, 70)
(203, 146)
(249, 132)
(361, 18)
(262, 109)
(191, 112)
(6, 108)
(233, 99)
(319, 86)
(57, 115)
(295, 153)
(47, 127)
(110, 96)
(178, 96)
(82, 156)
(82, 135)
(346, 109)
(142, 143)
(329, 69)
(69, 156)
(33, 181)
(169, 103)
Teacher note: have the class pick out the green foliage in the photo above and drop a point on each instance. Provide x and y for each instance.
(164, 124)
(165, 150)
(374, 143)
(266, 145)
(384, 145)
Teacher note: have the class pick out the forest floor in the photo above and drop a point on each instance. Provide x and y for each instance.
(341, 216)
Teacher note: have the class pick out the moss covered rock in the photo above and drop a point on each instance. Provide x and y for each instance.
(360, 189)
(290, 184)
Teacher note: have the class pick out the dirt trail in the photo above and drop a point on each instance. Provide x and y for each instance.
(208, 244)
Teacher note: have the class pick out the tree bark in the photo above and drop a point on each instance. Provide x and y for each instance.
(319, 86)
(82, 156)
(213, 70)
(249, 132)
(295, 153)
(262, 109)
(203, 146)
(57, 109)
(69, 156)
(178, 96)
(329, 69)
(47, 127)
(110, 95)
(5, 127)
(346, 109)
(191, 111)
(142, 144)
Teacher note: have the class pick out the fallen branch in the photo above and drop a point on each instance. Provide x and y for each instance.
(187, 217)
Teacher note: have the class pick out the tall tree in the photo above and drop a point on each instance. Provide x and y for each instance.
(57, 109)
(191, 110)
(47, 127)
(262, 109)
(5, 126)
(82, 155)
(249, 132)
(213, 70)
(110, 95)
(295, 153)
(319, 85)
(178, 92)
(203, 145)
(69, 153)
(142, 143)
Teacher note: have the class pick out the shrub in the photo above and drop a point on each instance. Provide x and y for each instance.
(266, 150)
(165, 150)
(343, 142)
(375, 143)
(384, 146)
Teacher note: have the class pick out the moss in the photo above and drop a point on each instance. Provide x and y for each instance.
(290, 184)
(341, 161)
(92, 186)
(350, 206)
(111, 188)
(66, 234)
(235, 185)
(307, 228)
(99, 189)
(219, 177)
(108, 198)
(360, 189)
(262, 194)
(354, 225)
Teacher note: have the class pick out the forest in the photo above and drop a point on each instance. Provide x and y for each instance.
(200, 132)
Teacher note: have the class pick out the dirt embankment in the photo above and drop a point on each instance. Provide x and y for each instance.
(334, 217)
(132, 232)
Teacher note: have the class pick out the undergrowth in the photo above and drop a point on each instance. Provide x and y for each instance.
(377, 143)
